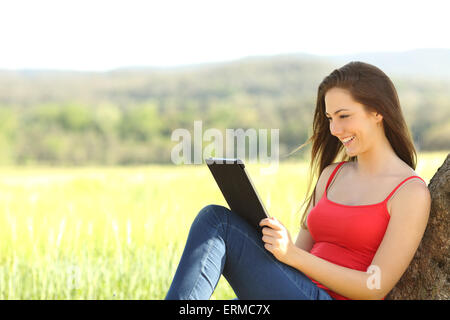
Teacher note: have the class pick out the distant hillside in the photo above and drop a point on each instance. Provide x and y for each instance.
(254, 76)
(425, 63)
(127, 116)
(421, 63)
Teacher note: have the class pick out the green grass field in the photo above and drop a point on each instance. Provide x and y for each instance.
(118, 233)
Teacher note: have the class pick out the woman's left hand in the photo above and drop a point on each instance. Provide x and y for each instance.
(277, 239)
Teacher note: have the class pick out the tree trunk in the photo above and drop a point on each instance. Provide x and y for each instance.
(427, 277)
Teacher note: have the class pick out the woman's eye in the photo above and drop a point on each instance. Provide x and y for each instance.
(343, 116)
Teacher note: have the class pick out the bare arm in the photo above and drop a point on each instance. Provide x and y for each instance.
(409, 217)
(304, 239)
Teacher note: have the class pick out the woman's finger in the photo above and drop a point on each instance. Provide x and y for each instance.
(271, 232)
(269, 247)
(270, 222)
(278, 224)
(268, 239)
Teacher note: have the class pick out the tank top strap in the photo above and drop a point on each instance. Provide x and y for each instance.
(400, 184)
(333, 173)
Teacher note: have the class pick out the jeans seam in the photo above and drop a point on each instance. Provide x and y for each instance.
(210, 245)
(201, 269)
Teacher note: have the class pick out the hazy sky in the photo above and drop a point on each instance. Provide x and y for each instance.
(101, 35)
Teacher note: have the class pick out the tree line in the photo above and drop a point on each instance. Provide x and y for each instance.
(126, 117)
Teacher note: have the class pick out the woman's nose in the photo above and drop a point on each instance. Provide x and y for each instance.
(335, 130)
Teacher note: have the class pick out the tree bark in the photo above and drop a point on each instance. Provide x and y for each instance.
(427, 277)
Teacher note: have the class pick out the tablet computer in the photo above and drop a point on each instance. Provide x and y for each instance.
(238, 189)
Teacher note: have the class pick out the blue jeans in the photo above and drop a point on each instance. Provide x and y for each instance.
(221, 242)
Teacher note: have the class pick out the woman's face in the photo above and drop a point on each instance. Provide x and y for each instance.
(348, 119)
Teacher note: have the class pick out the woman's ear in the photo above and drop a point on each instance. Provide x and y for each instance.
(378, 118)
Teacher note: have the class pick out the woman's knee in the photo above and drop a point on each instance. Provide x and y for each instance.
(213, 213)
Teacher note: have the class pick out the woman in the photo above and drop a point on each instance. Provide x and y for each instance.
(357, 240)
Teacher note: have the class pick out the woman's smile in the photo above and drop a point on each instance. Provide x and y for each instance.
(348, 141)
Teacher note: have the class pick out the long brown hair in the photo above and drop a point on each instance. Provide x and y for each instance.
(372, 88)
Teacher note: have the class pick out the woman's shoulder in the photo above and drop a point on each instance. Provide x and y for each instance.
(412, 183)
(410, 187)
(410, 193)
(324, 177)
(328, 170)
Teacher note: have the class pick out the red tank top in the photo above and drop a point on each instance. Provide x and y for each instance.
(345, 235)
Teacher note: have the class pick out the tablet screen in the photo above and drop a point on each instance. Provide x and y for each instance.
(238, 189)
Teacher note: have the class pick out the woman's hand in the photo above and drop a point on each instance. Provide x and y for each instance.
(277, 239)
